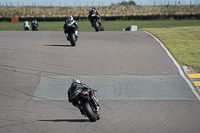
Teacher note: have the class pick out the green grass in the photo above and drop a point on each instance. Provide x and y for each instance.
(182, 42)
(119, 25)
(108, 25)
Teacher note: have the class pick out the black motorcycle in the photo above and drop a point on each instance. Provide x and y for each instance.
(89, 103)
(35, 27)
(96, 22)
(73, 34)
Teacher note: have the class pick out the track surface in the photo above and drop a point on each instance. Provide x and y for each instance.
(27, 57)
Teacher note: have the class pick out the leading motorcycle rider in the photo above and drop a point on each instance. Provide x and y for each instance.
(93, 11)
(71, 21)
(73, 91)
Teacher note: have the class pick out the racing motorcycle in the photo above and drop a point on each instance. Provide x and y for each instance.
(89, 103)
(35, 27)
(26, 27)
(73, 34)
(96, 21)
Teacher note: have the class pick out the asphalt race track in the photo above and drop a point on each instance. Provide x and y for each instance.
(140, 89)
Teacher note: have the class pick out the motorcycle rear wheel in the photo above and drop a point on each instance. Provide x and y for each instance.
(90, 114)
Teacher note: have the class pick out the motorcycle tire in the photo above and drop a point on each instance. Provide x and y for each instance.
(26, 29)
(90, 114)
(96, 26)
(73, 39)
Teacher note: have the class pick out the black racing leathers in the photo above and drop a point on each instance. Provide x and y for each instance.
(74, 90)
(72, 22)
(34, 23)
(91, 13)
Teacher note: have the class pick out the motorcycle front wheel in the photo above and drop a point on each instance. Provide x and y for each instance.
(90, 114)
(96, 26)
(73, 39)
(26, 29)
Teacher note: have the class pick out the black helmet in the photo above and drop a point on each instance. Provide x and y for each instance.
(93, 8)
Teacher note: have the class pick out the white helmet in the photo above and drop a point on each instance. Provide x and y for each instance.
(76, 80)
(71, 18)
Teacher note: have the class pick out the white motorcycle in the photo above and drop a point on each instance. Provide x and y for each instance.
(26, 26)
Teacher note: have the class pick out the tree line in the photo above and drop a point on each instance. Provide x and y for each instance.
(124, 3)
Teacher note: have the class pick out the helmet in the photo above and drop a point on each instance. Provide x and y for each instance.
(93, 8)
(71, 18)
(76, 80)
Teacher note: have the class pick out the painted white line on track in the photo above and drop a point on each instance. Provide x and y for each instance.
(177, 65)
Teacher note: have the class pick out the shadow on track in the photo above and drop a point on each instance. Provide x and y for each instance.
(60, 45)
(67, 120)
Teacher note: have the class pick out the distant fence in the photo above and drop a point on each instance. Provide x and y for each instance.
(83, 3)
(5, 19)
(111, 18)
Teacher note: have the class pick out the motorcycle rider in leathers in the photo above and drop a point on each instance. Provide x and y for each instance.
(71, 21)
(73, 91)
(26, 24)
(34, 22)
(93, 11)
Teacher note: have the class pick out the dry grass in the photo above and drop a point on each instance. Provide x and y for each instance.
(55, 11)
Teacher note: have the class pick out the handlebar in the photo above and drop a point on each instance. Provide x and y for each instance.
(94, 15)
(94, 90)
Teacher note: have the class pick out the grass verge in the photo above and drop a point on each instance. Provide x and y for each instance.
(108, 25)
(182, 42)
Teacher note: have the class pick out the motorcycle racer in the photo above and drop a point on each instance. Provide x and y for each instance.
(76, 87)
(93, 11)
(69, 21)
(26, 25)
(34, 22)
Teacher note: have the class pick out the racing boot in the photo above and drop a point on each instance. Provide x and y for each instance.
(98, 116)
(81, 110)
(68, 38)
